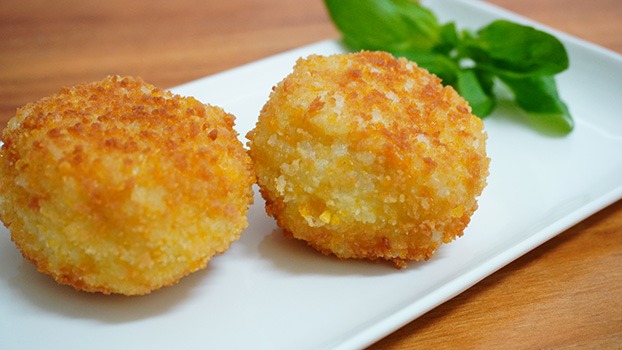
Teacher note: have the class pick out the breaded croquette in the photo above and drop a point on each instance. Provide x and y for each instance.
(120, 187)
(363, 155)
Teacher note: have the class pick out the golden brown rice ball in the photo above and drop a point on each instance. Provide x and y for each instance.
(366, 156)
(120, 187)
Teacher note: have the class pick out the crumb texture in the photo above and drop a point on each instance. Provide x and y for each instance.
(366, 156)
(120, 187)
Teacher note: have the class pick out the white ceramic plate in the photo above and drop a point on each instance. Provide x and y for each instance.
(268, 292)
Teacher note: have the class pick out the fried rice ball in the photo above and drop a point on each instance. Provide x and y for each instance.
(120, 187)
(363, 155)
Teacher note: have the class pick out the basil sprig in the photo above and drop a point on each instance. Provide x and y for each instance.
(520, 57)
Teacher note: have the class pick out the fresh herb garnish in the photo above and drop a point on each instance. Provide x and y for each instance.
(520, 57)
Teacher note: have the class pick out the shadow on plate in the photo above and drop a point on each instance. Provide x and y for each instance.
(43, 292)
(506, 111)
(296, 257)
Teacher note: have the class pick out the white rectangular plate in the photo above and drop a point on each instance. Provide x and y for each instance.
(268, 292)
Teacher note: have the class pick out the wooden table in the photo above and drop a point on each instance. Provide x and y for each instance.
(567, 292)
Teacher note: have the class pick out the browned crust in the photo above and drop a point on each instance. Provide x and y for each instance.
(367, 156)
(120, 187)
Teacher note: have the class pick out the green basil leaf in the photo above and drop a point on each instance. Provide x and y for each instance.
(522, 57)
(538, 96)
(388, 25)
(486, 80)
(471, 89)
(435, 63)
(517, 50)
(449, 39)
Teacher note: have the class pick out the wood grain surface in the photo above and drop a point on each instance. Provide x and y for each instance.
(566, 293)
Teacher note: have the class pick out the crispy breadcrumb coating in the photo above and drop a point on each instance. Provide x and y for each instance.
(120, 187)
(366, 156)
